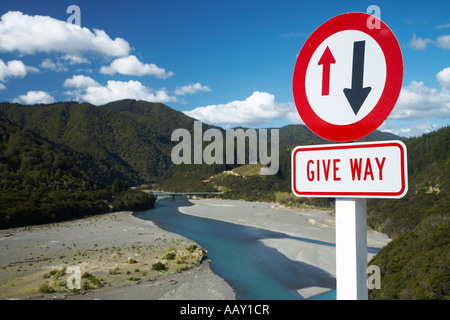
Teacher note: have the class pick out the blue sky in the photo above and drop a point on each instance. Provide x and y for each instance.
(236, 58)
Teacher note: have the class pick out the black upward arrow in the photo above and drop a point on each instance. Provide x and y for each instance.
(357, 94)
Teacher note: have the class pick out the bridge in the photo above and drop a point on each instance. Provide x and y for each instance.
(182, 194)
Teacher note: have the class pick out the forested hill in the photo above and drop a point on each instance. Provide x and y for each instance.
(416, 265)
(128, 137)
(131, 137)
(43, 182)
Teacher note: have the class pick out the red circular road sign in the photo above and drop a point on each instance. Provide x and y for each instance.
(348, 77)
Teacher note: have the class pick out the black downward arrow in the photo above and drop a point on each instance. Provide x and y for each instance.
(357, 94)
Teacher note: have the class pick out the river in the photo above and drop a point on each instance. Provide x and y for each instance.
(253, 270)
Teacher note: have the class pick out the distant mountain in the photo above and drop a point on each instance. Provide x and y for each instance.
(297, 135)
(130, 137)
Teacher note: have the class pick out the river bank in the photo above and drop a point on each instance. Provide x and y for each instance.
(114, 251)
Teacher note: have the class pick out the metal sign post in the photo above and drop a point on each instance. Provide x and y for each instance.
(351, 249)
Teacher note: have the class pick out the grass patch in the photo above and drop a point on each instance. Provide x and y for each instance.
(92, 283)
(131, 261)
(249, 169)
(114, 270)
(134, 279)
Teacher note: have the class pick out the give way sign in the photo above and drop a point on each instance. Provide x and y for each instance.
(347, 77)
(350, 170)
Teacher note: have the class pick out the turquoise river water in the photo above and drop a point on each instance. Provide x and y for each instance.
(253, 270)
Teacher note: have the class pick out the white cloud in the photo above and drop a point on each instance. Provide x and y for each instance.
(259, 108)
(292, 115)
(443, 26)
(73, 59)
(33, 97)
(443, 42)
(419, 43)
(85, 70)
(417, 101)
(55, 66)
(14, 69)
(443, 77)
(132, 66)
(29, 34)
(2, 87)
(60, 65)
(80, 81)
(191, 89)
(91, 91)
(410, 130)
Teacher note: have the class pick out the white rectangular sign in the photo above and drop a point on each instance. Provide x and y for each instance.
(350, 170)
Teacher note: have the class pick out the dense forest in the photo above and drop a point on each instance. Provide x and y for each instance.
(68, 160)
(42, 182)
(416, 265)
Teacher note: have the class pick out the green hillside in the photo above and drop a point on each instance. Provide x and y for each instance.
(129, 143)
(416, 264)
(43, 182)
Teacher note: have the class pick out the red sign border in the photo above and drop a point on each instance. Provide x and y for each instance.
(398, 194)
(394, 76)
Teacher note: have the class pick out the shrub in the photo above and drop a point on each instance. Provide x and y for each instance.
(45, 288)
(159, 266)
(192, 248)
(93, 279)
(170, 256)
